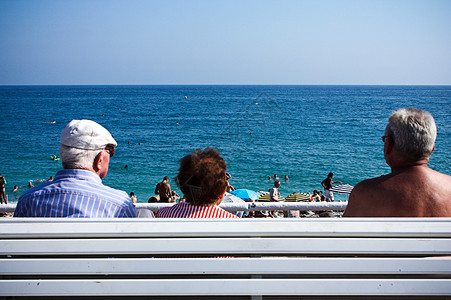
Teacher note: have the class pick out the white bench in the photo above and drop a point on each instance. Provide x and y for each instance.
(245, 257)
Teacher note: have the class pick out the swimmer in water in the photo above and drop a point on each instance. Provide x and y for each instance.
(124, 168)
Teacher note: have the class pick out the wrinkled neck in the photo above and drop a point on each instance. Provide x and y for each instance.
(403, 166)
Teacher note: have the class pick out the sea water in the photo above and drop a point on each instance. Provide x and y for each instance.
(304, 132)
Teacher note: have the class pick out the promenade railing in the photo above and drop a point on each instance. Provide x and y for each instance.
(233, 207)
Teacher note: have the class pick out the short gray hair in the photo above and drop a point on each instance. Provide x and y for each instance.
(73, 158)
(413, 131)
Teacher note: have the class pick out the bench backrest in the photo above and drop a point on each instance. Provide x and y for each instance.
(226, 257)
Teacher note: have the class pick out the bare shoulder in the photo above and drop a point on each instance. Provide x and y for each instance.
(367, 186)
(367, 197)
(360, 199)
(435, 181)
(440, 186)
(440, 176)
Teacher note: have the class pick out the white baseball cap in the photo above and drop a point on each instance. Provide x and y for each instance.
(86, 134)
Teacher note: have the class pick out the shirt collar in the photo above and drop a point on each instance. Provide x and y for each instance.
(79, 174)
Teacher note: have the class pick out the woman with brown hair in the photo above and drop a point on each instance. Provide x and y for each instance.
(202, 179)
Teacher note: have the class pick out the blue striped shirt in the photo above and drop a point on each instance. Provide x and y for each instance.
(75, 194)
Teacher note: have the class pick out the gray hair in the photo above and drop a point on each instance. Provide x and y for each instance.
(74, 158)
(413, 131)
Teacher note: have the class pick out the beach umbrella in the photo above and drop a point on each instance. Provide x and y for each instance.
(261, 193)
(297, 197)
(342, 189)
(230, 198)
(245, 194)
(265, 198)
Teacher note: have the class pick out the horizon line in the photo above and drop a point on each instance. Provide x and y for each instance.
(221, 84)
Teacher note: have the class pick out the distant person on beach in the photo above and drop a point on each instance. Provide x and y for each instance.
(316, 197)
(321, 195)
(202, 180)
(412, 189)
(286, 178)
(274, 195)
(154, 199)
(2, 189)
(164, 190)
(230, 187)
(174, 197)
(274, 192)
(133, 197)
(77, 191)
(327, 185)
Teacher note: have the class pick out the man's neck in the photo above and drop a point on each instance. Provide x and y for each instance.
(409, 165)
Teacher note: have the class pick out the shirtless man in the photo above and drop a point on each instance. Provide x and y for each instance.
(327, 185)
(164, 190)
(412, 189)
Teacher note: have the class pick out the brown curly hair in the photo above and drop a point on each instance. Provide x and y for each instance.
(202, 176)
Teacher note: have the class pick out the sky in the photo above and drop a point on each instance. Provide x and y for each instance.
(96, 42)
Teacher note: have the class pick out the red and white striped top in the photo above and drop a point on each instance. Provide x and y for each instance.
(187, 210)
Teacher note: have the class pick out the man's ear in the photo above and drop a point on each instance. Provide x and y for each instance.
(97, 164)
(389, 145)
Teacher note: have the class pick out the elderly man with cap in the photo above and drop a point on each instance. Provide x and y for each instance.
(77, 191)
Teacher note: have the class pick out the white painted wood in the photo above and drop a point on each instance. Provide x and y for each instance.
(98, 287)
(417, 249)
(234, 266)
(344, 227)
(228, 246)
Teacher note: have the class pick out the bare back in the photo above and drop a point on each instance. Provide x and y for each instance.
(164, 190)
(415, 192)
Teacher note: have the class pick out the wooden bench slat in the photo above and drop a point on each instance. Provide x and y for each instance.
(336, 257)
(219, 246)
(184, 266)
(99, 287)
(345, 227)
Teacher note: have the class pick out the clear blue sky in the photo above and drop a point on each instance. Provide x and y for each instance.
(225, 42)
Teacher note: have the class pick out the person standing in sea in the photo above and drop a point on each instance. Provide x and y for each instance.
(164, 190)
(2, 189)
(327, 185)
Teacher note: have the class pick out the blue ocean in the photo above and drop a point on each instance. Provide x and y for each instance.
(304, 132)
